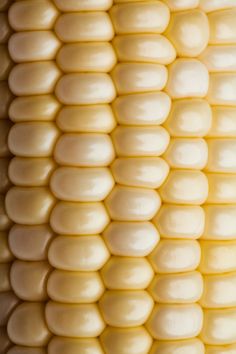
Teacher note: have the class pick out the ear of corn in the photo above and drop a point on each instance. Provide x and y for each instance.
(118, 193)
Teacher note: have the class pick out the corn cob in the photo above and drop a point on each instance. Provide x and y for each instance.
(123, 174)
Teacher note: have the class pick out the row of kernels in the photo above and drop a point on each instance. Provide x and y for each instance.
(181, 220)
(30, 202)
(218, 244)
(138, 141)
(139, 109)
(8, 300)
(83, 180)
(78, 309)
(183, 83)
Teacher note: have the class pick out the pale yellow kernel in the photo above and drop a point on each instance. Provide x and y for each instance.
(131, 239)
(175, 256)
(219, 326)
(140, 141)
(147, 172)
(123, 273)
(150, 48)
(29, 206)
(86, 119)
(219, 58)
(84, 150)
(220, 221)
(33, 46)
(223, 122)
(74, 287)
(34, 332)
(219, 291)
(213, 5)
(90, 57)
(30, 243)
(126, 308)
(33, 139)
(81, 253)
(81, 184)
(132, 204)
(126, 341)
(188, 78)
(222, 188)
(222, 26)
(189, 118)
(174, 322)
(74, 320)
(189, 32)
(31, 172)
(187, 153)
(185, 187)
(74, 345)
(29, 280)
(217, 257)
(221, 155)
(142, 109)
(179, 288)
(36, 108)
(144, 17)
(32, 15)
(84, 27)
(222, 88)
(139, 77)
(34, 78)
(79, 218)
(180, 221)
(85, 88)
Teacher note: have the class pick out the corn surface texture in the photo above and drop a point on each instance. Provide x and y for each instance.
(118, 177)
